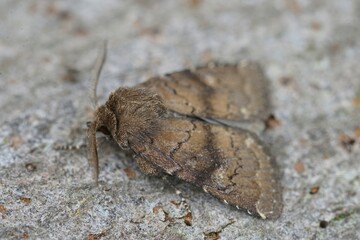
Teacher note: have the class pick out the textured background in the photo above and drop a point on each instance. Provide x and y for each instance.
(309, 49)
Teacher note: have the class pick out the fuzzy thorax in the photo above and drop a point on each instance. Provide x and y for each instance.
(130, 113)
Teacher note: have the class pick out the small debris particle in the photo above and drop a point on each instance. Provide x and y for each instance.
(334, 48)
(31, 167)
(81, 31)
(357, 132)
(285, 80)
(356, 101)
(299, 167)
(16, 141)
(193, 3)
(71, 75)
(315, 25)
(96, 236)
(272, 122)
(215, 235)
(293, 6)
(130, 173)
(314, 190)
(137, 218)
(346, 141)
(25, 200)
(25, 235)
(175, 203)
(212, 236)
(323, 224)
(162, 214)
(156, 209)
(188, 219)
(33, 7)
(2, 209)
(51, 9)
(64, 15)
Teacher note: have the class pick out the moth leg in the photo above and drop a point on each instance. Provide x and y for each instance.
(147, 167)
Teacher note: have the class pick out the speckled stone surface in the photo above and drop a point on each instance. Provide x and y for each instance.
(309, 49)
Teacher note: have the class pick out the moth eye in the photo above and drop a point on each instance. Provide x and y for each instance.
(88, 124)
(104, 130)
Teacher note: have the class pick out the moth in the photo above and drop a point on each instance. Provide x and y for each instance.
(188, 124)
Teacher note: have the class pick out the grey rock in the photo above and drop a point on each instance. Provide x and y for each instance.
(310, 50)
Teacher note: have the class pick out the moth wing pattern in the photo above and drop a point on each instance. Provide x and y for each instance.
(226, 162)
(216, 91)
(165, 122)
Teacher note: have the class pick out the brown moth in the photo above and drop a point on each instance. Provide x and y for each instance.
(185, 124)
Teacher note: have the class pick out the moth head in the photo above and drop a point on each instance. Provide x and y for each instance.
(103, 122)
(129, 115)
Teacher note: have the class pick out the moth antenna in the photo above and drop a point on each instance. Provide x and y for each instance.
(96, 71)
(92, 150)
